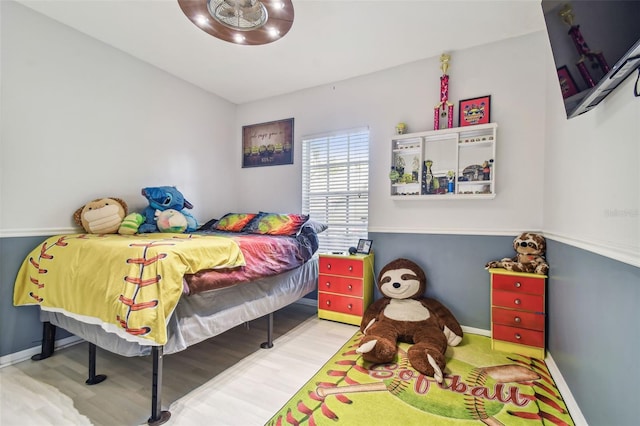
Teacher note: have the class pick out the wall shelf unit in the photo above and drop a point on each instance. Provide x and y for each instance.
(456, 163)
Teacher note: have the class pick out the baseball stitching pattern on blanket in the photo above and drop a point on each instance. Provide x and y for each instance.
(127, 284)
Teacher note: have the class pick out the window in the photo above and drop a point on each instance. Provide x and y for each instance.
(335, 186)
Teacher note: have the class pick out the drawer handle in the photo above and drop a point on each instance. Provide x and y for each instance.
(328, 303)
(518, 336)
(328, 266)
(517, 319)
(350, 268)
(350, 306)
(328, 284)
(517, 301)
(350, 287)
(517, 284)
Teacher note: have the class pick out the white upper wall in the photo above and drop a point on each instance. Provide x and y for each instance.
(511, 71)
(82, 120)
(592, 173)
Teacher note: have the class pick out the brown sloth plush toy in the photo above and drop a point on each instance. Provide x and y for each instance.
(403, 314)
(530, 248)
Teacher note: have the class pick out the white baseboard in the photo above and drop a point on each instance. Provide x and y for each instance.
(26, 354)
(473, 330)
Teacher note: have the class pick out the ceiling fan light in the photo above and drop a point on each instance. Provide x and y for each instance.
(201, 19)
(273, 32)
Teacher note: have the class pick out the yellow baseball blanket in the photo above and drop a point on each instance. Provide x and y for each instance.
(127, 284)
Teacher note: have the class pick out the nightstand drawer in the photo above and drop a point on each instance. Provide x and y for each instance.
(342, 285)
(515, 318)
(518, 335)
(526, 302)
(518, 284)
(346, 266)
(337, 303)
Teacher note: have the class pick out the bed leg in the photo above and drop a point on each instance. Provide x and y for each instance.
(48, 341)
(269, 343)
(158, 416)
(94, 378)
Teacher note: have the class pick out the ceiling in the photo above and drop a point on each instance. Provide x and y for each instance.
(330, 41)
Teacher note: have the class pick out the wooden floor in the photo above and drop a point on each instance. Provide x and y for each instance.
(226, 380)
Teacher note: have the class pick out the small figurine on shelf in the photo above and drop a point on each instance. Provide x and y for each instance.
(394, 175)
(415, 168)
(400, 165)
(427, 178)
(486, 169)
(401, 128)
(451, 186)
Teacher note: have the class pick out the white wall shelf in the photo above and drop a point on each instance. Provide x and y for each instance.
(457, 163)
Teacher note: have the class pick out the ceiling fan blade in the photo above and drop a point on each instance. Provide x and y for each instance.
(226, 12)
(253, 13)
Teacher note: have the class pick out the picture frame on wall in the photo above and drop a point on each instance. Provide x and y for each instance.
(568, 85)
(268, 144)
(475, 111)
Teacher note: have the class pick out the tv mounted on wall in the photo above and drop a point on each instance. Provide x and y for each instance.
(595, 45)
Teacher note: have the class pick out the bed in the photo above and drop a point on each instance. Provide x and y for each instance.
(157, 294)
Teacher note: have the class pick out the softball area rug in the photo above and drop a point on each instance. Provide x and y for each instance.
(481, 386)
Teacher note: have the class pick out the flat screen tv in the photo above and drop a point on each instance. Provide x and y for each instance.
(595, 45)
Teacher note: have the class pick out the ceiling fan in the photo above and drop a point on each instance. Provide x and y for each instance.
(250, 22)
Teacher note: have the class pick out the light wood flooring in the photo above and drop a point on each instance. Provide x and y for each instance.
(226, 380)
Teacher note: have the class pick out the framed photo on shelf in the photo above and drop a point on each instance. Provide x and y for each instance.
(364, 246)
(475, 111)
(567, 83)
(267, 144)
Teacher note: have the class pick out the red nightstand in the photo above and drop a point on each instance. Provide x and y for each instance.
(518, 312)
(345, 287)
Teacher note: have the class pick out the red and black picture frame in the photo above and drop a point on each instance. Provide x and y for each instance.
(567, 83)
(475, 111)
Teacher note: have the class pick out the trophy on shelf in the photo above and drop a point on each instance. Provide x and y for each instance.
(596, 58)
(444, 109)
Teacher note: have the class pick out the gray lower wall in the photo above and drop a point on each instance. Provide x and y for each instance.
(454, 265)
(590, 298)
(20, 327)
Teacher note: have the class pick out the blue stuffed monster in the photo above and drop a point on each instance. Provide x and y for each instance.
(162, 198)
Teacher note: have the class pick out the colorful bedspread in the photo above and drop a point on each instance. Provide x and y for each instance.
(265, 256)
(127, 284)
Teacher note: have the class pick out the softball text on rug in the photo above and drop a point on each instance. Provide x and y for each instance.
(481, 386)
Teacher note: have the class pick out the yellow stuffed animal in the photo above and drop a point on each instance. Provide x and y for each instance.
(101, 216)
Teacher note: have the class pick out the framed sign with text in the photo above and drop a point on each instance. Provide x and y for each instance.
(267, 144)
